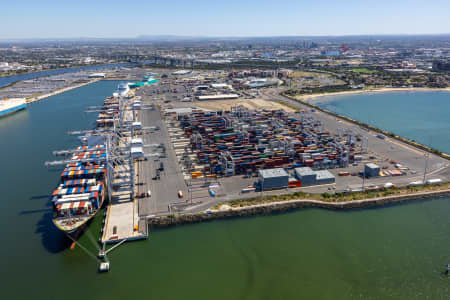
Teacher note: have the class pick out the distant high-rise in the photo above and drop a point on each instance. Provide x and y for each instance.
(441, 65)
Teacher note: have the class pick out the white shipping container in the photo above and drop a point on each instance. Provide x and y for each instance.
(434, 181)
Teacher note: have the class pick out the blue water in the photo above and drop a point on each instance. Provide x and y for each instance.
(421, 116)
(4, 81)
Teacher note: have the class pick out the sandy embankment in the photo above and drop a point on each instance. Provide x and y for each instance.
(314, 96)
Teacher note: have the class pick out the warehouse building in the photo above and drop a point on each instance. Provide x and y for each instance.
(217, 97)
(371, 170)
(308, 177)
(221, 86)
(324, 177)
(181, 72)
(97, 75)
(179, 111)
(262, 82)
(272, 179)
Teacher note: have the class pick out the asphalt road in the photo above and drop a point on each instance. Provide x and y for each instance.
(163, 191)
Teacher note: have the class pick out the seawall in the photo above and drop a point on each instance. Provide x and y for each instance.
(283, 206)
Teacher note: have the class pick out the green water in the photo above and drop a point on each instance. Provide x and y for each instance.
(394, 252)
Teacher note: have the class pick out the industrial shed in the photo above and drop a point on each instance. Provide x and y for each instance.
(306, 175)
(271, 179)
(324, 177)
(371, 170)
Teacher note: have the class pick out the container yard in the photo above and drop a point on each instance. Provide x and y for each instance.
(226, 143)
(243, 142)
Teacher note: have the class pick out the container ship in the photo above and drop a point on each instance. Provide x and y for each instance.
(9, 106)
(82, 190)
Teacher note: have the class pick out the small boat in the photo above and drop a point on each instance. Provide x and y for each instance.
(104, 267)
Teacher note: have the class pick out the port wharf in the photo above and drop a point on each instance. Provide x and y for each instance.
(285, 206)
(60, 91)
(134, 216)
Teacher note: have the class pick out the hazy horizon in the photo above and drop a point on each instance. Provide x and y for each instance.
(200, 18)
(165, 37)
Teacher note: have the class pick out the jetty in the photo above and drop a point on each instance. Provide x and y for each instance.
(60, 91)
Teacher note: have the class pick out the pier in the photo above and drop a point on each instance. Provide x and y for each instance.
(122, 216)
(38, 98)
(122, 220)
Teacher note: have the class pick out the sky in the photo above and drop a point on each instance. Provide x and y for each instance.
(126, 19)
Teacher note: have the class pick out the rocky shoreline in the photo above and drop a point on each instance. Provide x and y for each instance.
(284, 206)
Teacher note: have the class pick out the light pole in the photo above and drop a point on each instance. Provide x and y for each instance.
(426, 165)
(364, 177)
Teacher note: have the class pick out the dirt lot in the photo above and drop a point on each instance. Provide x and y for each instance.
(249, 103)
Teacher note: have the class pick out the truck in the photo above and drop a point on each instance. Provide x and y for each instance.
(157, 175)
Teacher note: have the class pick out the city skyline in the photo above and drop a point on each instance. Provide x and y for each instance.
(113, 19)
